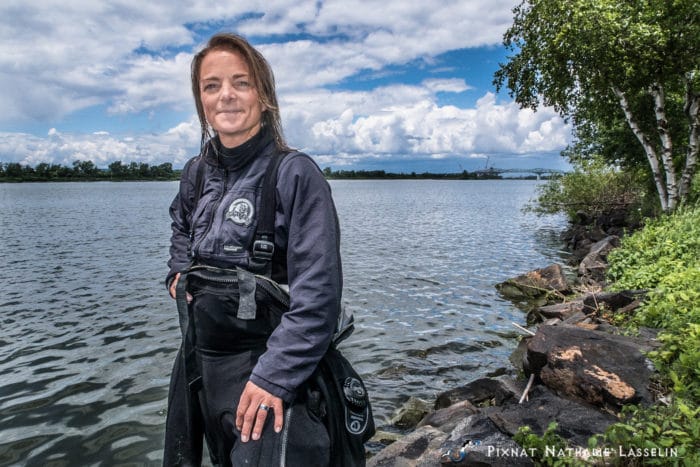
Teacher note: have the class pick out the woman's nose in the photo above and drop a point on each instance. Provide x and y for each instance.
(227, 91)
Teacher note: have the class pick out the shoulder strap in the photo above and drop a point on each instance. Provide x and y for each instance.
(198, 184)
(264, 244)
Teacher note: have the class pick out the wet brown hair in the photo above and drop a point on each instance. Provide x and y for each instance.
(260, 73)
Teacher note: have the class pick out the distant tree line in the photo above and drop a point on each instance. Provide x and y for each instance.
(118, 171)
(381, 174)
(86, 171)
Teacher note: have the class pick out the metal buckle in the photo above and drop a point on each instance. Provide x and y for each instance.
(263, 249)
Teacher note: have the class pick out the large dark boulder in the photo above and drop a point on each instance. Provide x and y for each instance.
(464, 435)
(592, 366)
(576, 421)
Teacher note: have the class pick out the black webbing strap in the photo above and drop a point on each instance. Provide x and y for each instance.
(264, 243)
(198, 185)
(188, 355)
(187, 352)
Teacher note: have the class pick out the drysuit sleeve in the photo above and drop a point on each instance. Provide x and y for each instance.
(306, 216)
(179, 214)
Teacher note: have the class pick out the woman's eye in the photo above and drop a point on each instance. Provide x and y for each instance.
(241, 85)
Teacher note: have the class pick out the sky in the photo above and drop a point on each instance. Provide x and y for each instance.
(362, 84)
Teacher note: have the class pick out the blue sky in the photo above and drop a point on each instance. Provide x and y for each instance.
(362, 84)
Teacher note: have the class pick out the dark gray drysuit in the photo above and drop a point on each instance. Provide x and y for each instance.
(219, 232)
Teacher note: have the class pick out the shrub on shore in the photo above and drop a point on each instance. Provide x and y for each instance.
(593, 191)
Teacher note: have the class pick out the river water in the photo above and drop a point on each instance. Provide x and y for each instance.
(88, 333)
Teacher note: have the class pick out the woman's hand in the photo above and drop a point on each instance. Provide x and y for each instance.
(254, 407)
(173, 287)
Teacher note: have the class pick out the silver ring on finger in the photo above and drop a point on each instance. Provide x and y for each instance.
(263, 407)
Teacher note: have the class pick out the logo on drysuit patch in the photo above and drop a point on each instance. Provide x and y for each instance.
(241, 212)
(356, 409)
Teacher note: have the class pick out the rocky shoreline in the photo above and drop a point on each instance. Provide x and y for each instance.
(571, 367)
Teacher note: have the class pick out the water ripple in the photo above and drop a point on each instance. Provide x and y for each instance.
(89, 333)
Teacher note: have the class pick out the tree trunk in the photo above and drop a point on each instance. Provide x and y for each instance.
(652, 157)
(692, 110)
(657, 91)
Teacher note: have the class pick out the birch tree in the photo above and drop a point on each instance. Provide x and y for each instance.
(596, 61)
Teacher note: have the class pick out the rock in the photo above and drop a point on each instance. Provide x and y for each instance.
(483, 391)
(412, 412)
(477, 441)
(385, 437)
(592, 269)
(462, 435)
(561, 310)
(575, 421)
(575, 319)
(446, 419)
(419, 448)
(579, 238)
(536, 286)
(613, 219)
(592, 366)
(518, 358)
(611, 301)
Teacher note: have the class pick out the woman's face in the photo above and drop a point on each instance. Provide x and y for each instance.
(229, 98)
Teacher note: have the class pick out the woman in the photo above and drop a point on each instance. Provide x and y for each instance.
(252, 372)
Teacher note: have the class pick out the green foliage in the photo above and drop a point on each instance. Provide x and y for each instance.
(540, 446)
(86, 170)
(673, 429)
(664, 258)
(675, 307)
(666, 245)
(675, 301)
(694, 195)
(602, 64)
(593, 189)
(679, 356)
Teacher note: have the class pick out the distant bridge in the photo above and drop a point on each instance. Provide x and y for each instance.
(537, 171)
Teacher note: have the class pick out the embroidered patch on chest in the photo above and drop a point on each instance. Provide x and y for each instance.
(241, 212)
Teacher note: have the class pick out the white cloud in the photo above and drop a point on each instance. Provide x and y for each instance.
(58, 57)
(175, 145)
(446, 85)
(405, 121)
(152, 82)
(394, 122)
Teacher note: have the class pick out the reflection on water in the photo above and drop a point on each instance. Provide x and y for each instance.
(89, 334)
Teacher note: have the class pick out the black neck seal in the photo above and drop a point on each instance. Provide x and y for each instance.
(240, 156)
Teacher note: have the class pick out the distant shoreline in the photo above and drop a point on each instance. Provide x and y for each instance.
(86, 171)
(174, 179)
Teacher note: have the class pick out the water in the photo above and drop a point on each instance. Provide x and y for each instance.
(88, 333)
